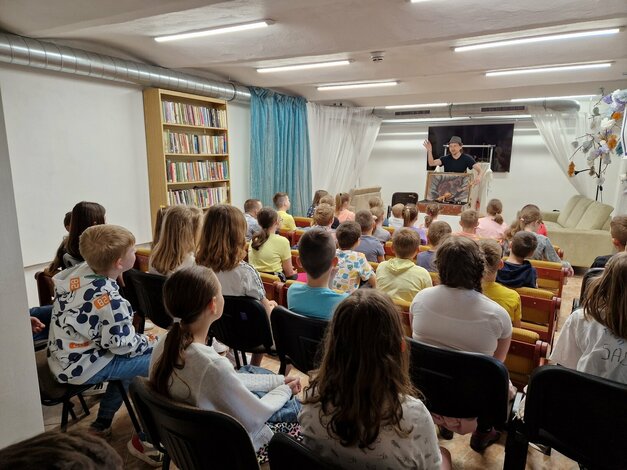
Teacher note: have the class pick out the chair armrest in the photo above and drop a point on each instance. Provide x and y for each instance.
(550, 216)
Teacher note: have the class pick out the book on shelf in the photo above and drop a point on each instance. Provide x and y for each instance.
(201, 170)
(179, 142)
(188, 114)
(201, 197)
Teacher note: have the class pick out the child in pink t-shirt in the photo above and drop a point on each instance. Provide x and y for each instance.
(492, 226)
(342, 200)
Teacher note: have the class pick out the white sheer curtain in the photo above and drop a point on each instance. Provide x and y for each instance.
(558, 130)
(340, 141)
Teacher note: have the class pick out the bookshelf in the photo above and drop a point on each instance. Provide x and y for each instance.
(187, 147)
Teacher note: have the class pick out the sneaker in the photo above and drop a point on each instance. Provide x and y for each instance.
(97, 389)
(99, 430)
(445, 433)
(145, 451)
(482, 440)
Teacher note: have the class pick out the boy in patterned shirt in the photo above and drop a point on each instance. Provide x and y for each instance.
(352, 266)
(92, 338)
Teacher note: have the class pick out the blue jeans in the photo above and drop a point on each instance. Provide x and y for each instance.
(289, 412)
(44, 315)
(124, 369)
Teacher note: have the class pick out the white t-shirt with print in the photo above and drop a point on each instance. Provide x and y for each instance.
(586, 345)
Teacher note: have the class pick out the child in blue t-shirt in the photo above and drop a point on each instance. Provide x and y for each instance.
(316, 250)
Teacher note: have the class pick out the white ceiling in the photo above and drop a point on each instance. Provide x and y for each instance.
(416, 38)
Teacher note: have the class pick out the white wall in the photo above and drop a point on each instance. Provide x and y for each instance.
(20, 413)
(398, 163)
(73, 139)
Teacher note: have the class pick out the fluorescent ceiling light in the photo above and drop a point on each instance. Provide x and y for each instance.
(408, 106)
(313, 65)
(571, 97)
(553, 68)
(402, 133)
(419, 1)
(346, 86)
(214, 31)
(529, 130)
(433, 119)
(530, 40)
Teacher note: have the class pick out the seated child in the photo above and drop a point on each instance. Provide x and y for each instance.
(468, 220)
(455, 315)
(492, 225)
(360, 409)
(185, 369)
(282, 204)
(92, 338)
(396, 220)
(328, 199)
(518, 271)
(379, 232)
(374, 202)
(437, 232)
(507, 298)
(342, 201)
(410, 219)
(268, 252)
(618, 232)
(323, 218)
(251, 209)
(177, 244)
(431, 214)
(317, 256)
(352, 266)
(159, 216)
(593, 337)
(368, 245)
(399, 277)
(316, 200)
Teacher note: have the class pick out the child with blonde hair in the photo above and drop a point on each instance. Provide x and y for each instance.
(177, 244)
(431, 214)
(360, 406)
(468, 221)
(399, 277)
(342, 201)
(396, 220)
(352, 266)
(492, 225)
(410, 218)
(330, 200)
(379, 232)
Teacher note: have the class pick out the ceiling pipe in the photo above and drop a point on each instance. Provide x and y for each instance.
(30, 52)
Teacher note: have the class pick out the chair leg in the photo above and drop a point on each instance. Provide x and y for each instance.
(515, 450)
(244, 359)
(237, 362)
(166, 462)
(71, 410)
(129, 407)
(64, 413)
(83, 404)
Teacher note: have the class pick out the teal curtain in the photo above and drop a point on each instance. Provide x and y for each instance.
(279, 149)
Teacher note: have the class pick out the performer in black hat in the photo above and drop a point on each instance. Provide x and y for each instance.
(456, 162)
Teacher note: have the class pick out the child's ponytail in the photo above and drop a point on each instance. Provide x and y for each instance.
(410, 214)
(495, 207)
(431, 212)
(173, 357)
(527, 215)
(340, 200)
(266, 218)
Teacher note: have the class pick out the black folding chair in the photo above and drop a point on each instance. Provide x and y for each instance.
(590, 274)
(148, 289)
(405, 198)
(461, 384)
(582, 416)
(194, 439)
(244, 327)
(286, 453)
(297, 338)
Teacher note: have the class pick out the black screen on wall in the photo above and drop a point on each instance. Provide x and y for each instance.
(500, 135)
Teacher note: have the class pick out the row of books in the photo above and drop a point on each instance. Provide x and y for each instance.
(201, 197)
(182, 113)
(176, 142)
(183, 172)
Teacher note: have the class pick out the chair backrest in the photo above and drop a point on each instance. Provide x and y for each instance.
(526, 352)
(271, 284)
(282, 300)
(550, 275)
(540, 311)
(142, 259)
(286, 453)
(389, 250)
(590, 274)
(564, 407)
(297, 338)
(460, 384)
(297, 236)
(244, 324)
(52, 392)
(435, 278)
(303, 221)
(289, 234)
(296, 261)
(405, 198)
(45, 288)
(193, 438)
(404, 315)
(148, 288)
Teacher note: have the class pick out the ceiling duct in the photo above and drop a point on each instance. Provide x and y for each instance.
(477, 110)
(29, 52)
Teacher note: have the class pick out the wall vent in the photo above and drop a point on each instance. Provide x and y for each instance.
(418, 112)
(493, 109)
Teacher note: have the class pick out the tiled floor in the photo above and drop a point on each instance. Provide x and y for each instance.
(464, 458)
